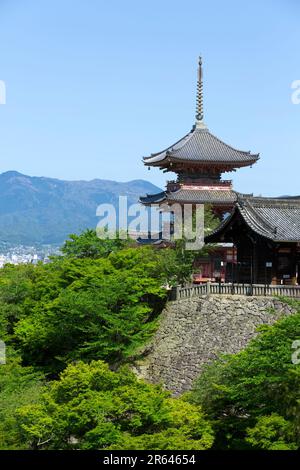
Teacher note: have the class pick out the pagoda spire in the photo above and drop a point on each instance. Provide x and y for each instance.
(199, 100)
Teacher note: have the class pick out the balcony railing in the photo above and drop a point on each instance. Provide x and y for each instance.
(235, 289)
(174, 185)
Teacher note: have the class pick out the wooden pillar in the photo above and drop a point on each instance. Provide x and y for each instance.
(294, 265)
(298, 262)
(275, 265)
(254, 262)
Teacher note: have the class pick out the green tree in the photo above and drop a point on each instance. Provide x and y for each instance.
(89, 245)
(272, 433)
(87, 308)
(91, 407)
(239, 390)
(15, 287)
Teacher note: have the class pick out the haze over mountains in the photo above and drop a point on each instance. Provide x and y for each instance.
(40, 210)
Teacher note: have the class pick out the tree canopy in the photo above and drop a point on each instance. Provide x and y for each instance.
(82, 308)
(73, 327)
(254, 396)
(91, 407)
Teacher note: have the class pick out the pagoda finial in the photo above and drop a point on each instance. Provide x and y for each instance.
(199, 101)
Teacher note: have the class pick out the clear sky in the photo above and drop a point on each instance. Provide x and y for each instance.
(92, 86)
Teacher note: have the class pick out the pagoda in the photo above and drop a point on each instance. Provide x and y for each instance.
(199, 159)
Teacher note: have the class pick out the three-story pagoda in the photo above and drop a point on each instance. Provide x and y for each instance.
(199, 159)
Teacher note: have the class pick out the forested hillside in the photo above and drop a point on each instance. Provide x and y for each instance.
(72, 329)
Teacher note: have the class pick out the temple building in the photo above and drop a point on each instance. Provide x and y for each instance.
(199, 159)
(266, 234)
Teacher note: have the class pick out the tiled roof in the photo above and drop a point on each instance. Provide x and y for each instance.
(203, 147)
(275, 219)
(197, 196)
(202, 196)
(153, 198)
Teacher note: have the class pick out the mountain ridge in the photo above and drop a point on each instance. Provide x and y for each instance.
(42, 210)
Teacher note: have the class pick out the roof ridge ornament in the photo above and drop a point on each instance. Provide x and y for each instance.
(199, 99)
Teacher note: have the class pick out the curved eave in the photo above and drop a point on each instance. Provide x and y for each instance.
(153, 198)
(202, 147)
(253, 226)
(150, 241)
(187, 196)
(253, 223)
(160, 155)
(220, 229)
(200, 163)
(256, 224)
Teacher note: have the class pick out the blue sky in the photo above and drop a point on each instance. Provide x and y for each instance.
(92, 86)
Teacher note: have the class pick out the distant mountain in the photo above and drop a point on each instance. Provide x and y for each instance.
(39, 210)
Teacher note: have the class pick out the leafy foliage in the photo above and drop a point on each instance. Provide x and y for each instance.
(254, 389)
(89, 245)
(19, 386)
(91, 407)
(99, 302)
(272, 433)
(84, 308)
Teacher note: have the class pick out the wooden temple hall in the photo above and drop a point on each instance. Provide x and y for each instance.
(266, 235)
(258, 240)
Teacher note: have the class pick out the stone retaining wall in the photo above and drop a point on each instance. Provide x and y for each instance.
(194, 331)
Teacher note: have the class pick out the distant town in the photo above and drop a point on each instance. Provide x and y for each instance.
(22, 254)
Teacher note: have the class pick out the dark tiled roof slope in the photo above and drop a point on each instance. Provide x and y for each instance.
(195, 196)
(275, 219)
(202, 146)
